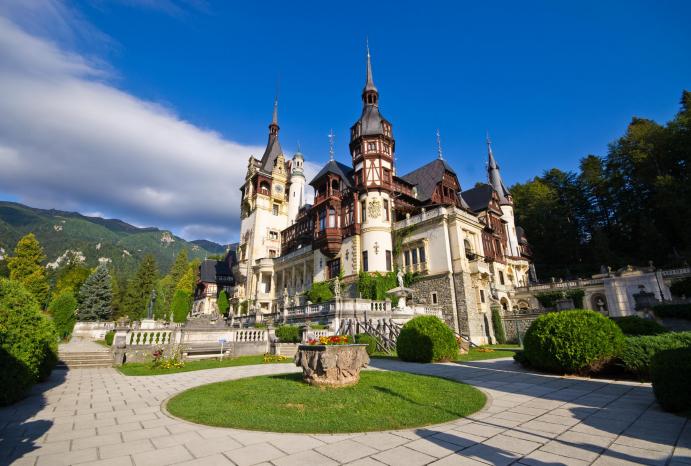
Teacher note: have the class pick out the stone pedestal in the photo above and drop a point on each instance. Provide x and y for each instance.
(331, 365)
(147, 324)
(402, 293)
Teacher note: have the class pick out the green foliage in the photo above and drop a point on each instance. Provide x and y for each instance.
(375, 285)
(63, 310)
(96, 296)
(71, 277)
(188, 280)
(671, 375)
(619, 209)
(636, 326)
(369, 340)
(26, 267)
(549, 299)
(575, 341)
(576, 295)
(638, 352)
(288, 334)
(320, 292)
(110, 334)
(222, 302)
(675, 311)
(139, 289)
(244, 306)
(498, 325)
(28, 341)
(182, 304)
(315, 326)
(681, 287)
(168, 284)
(426, 339)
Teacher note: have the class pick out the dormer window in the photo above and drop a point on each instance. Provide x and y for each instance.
(371, 146)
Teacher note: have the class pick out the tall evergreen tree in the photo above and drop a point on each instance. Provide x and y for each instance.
(26, 267)
(96, 296)
(63, 310)
(139, 289)
(222, 302)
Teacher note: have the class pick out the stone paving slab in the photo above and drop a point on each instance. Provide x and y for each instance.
(100, 417)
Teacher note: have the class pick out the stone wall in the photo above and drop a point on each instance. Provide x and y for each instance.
(471, 320)
(424, 286)
(517, 323)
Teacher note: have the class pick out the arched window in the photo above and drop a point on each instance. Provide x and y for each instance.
(334, 186)
(264, 188)
(469, 254)
(332, 218)
(322, 220)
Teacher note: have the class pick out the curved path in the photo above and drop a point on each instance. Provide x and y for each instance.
(100, 417)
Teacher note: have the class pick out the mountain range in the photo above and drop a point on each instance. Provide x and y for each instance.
(95, 239)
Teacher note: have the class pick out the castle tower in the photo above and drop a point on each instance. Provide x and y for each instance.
(296, 194)
(505, 201)
(372, 150)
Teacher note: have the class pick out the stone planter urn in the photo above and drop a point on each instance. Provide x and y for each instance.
(331, 365)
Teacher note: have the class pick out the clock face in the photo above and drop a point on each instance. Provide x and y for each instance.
(278, 188)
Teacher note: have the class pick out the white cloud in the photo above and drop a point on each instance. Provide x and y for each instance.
(71, 140)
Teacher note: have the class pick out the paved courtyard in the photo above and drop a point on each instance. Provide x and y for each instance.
(100, 417)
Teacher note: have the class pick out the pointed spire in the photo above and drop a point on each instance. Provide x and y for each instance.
(369, 83)
(332, 136)
(274, 118)
(494, 177)
(299, 150)
(440, 156)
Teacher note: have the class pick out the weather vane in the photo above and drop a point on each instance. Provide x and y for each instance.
(332, 136)
(439, 152)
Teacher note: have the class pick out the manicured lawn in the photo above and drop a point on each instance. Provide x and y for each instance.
(284, 403)
(146, 369)
(475, 354)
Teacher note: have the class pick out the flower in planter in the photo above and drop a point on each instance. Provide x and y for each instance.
(332, 340)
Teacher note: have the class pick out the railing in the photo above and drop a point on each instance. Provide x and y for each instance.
(676, 272)
(249, 335)
(149, 337)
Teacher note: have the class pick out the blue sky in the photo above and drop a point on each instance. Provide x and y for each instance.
(550, 81)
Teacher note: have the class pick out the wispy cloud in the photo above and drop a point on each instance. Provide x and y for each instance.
(71, 140)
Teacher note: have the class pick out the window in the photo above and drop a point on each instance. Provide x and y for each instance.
(388, 260)
(414, 253)
(363, 212)
(334, 268)
(275, 209)
(386, 210)
(406, 256)
(435, 299)
(273, 235)
(422, 253)
(264, 188)
(272, 253)
(482, 296)
(322, 220)
(332, 218)
(371, 146)
(469, 254)
(387, 149)
(365, 266)
(501, 277)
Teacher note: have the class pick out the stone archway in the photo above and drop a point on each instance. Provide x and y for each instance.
(598, 302)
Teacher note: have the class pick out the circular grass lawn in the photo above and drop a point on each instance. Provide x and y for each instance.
(284, 403)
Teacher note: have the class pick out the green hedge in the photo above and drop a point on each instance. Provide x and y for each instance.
(426, 339)
(675, 311)
(63, 311)
(671, 375)
(369, 340)
(636, 326)
(498, 325)
(28, 342)
(638, 352)
(576, 341)
(288, 334)
(109, 337)
(320, 292)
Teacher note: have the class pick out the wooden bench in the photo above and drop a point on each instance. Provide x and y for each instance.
(206, 351)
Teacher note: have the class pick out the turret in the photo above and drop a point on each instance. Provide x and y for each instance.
(505, 201)
(296, 194)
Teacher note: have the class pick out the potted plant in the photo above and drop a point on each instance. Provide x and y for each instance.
(331, 361)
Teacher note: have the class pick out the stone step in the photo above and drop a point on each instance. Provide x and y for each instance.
(83, 364)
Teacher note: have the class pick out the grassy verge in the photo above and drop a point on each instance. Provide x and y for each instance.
(144, 368)
(380, 401)
(475, 354)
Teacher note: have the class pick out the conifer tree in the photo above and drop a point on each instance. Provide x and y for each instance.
(26, 267)
(63, 310)
(139, 289)
(222, 302)
(182, 303)
(96, 296)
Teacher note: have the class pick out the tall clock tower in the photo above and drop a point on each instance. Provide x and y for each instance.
(372, 149)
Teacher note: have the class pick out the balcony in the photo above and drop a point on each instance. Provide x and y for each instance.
(328, 241)
(420, 267)
(477, 265)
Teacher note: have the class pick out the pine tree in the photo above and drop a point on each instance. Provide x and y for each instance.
(63, 310)
(180, 266)
(25, 267)
(166, 286)
(188, 281)
(182, 303)
(139, 289)
(96, 296)
(222, 302)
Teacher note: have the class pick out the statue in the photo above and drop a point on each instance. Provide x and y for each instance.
(337, 287)
(399, 276)
(152, 302)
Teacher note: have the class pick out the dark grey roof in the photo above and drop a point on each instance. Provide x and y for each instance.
(273, 149)
(520, 235)
(369, 82)
(427, 177)
(210, 270)
(344, 171)
(495, 178)
(478, 198)
(370, 121)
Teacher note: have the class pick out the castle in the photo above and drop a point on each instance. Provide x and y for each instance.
(462, 246)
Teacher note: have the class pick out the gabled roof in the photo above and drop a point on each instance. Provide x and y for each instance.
(427, 177)
(344, 171)
(478, 198)
(210, 269)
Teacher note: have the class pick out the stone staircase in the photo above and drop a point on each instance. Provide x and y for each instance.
(84, 359)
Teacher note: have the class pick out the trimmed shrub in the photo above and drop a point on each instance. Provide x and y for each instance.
(28, 342)
(63, 310)
(576, 341)
(674, 311)
(549, 298)
(636, 326)
(222, 302)
(498, 325)
(671, 375)
(426, 339)
(320, 292)
(638, 352)
(288, 334)
(109, 337)
(369, 340)
(181, 306)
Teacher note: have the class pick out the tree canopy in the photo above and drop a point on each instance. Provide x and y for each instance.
(26, 267)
